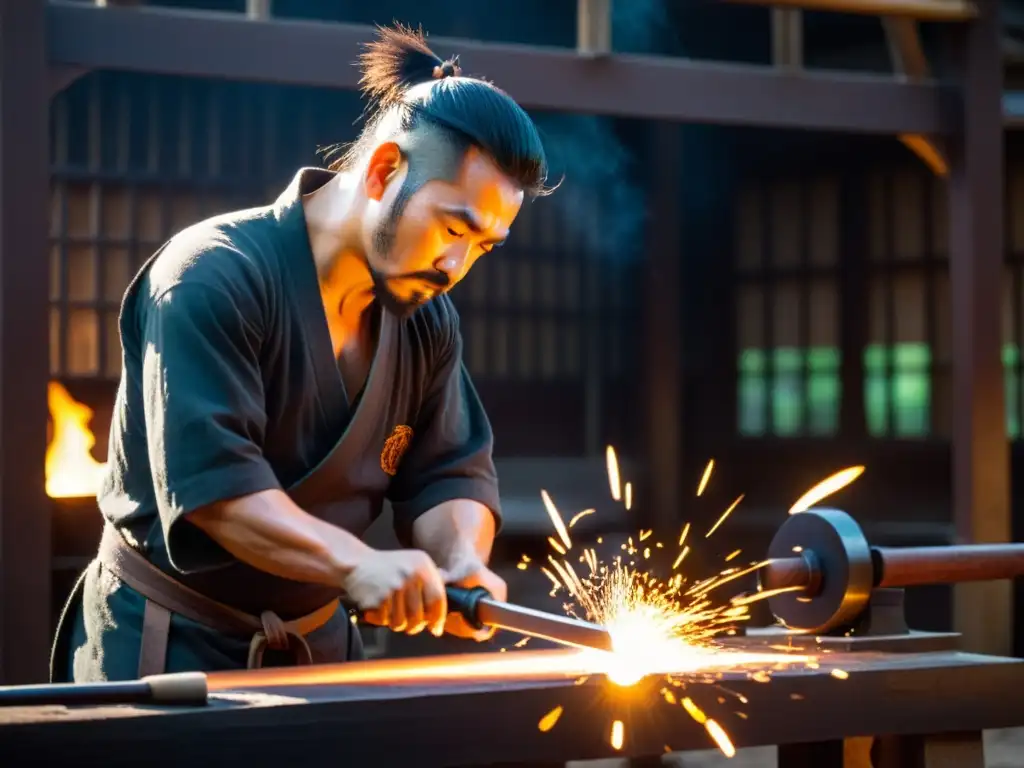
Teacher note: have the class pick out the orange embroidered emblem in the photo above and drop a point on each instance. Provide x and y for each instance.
(394, 448)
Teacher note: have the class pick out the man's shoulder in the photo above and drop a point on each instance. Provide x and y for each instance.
(229, 253)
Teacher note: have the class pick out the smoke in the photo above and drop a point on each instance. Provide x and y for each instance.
(603, 201)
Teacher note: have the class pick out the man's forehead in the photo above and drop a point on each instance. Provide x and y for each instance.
(485, 194)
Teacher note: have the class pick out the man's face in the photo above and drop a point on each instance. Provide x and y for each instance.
(421, 245)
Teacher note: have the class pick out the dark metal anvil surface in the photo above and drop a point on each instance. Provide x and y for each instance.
(463, 723)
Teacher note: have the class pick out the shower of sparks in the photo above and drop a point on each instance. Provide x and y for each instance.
(705, 477)
(831, 484)
(664, 627)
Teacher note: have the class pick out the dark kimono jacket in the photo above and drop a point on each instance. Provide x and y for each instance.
(230, 387)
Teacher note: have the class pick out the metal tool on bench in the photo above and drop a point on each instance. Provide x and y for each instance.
(183, 689)
(824, 554)
(480, 610)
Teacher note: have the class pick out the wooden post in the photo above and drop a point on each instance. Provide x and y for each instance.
(663, 337)
(981, 480)
(24, 343)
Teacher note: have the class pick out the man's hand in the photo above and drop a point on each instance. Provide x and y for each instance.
(400, 589)
(469, 571)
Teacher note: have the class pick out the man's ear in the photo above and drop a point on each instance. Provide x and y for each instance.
(384, 163)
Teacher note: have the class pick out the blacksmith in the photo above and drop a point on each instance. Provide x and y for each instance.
(287, 369)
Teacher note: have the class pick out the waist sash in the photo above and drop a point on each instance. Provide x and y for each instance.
(165, 596)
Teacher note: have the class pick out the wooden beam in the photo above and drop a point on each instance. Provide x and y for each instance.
(787, 37)
(258, 10)
(922, 10)
(981, 480)
(24, 343)
(663, 351)
(909, 60)
(229, 46)
(594, 27)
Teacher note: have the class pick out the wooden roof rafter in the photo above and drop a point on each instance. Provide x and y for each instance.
(83, 37)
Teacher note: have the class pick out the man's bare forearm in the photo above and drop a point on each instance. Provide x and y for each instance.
(454, 530)
(269, 532)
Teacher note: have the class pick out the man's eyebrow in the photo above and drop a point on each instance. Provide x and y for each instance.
(465, 215)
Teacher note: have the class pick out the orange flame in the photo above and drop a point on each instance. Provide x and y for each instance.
(71, 471)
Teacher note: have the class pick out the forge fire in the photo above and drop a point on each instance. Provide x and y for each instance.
(71, 470)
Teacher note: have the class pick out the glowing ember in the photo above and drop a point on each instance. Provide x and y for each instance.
(71, 471)
(579, 516)
(705, 477)
(618, 734)
(825, 488)
(721, 738)
(613, 474)
(556, 520)
(548, 721)
(723, 517)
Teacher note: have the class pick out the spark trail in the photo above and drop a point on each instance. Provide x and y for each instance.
(666, 626)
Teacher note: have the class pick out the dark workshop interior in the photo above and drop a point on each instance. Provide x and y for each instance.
(789, 239)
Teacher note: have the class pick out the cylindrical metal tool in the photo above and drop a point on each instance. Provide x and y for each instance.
(824, 562)
(480, 610)
(913, 566)
(185, 689)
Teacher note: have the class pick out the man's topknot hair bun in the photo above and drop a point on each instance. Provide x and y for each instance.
(471, 109)
(398, 60)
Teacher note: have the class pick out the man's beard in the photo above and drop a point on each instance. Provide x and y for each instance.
(405, 307)
(383, 245)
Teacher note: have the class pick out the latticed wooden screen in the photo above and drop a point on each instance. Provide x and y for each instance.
(787, 254)
(788, 320)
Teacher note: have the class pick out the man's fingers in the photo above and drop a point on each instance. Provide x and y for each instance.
(458, 627)
(376, 616)
(496, 586)
(435, 602)
(414, 608)
(397, 619)
(384, 612)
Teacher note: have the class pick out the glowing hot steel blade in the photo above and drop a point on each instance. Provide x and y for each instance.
(562, 664)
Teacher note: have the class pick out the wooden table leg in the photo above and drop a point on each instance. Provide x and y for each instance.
(811, 755)
(953, 750)
(941, 750)
(851, 753)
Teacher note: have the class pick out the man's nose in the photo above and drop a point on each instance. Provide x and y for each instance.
(452, 262)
